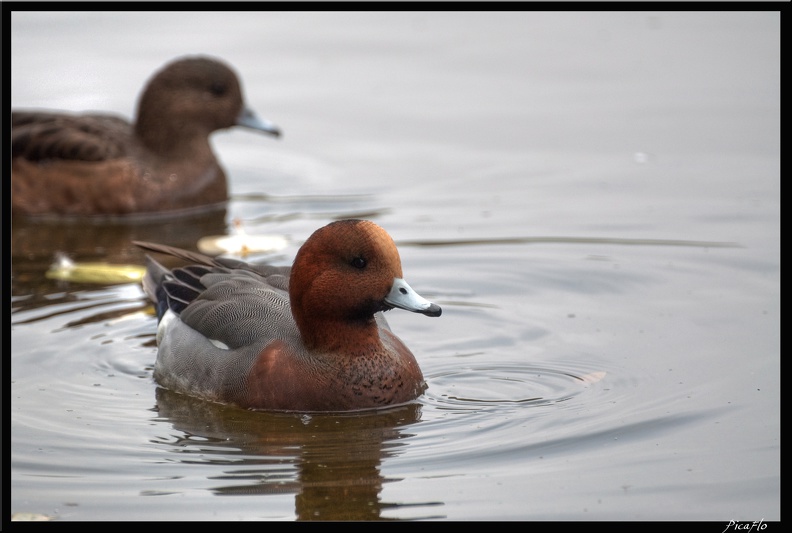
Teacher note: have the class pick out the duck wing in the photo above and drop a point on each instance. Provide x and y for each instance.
(41, 136)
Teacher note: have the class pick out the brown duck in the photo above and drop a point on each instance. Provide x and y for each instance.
(99, 164)
(311, 337)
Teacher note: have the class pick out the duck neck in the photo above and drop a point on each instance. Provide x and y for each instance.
(171, 143)
(353, 338)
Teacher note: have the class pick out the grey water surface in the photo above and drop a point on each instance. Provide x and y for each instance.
(592, 197)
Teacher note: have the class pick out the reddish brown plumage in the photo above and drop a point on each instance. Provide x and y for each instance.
(324, 346)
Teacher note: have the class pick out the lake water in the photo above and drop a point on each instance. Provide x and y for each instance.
(593, 199)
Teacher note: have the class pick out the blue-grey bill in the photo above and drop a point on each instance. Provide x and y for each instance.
(404, 297)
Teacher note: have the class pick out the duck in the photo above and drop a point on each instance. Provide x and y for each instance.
(101, 165)
(310, 337)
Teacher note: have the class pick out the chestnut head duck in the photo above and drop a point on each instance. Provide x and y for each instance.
(101, 165)
(310, 337)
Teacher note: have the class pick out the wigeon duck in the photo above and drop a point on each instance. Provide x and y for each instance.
(310, 337)
(95, 164)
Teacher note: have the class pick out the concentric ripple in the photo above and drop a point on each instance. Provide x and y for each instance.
(486, 387)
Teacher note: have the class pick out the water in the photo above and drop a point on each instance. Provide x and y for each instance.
(593, 198)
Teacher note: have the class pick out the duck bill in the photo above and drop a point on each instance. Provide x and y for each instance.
(404, 297)
(248, 119)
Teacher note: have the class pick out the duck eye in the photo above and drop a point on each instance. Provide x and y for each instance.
(218, 89)
(358, 262)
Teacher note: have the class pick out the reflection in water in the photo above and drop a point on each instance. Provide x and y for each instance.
(107, 239)
(34, 245)
(331, 462)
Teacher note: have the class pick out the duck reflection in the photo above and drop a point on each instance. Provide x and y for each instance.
(331, 462)
(35, 243)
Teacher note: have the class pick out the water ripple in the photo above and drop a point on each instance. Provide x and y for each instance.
(493, 387)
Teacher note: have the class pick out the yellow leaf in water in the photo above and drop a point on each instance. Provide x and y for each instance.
(65, 269)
